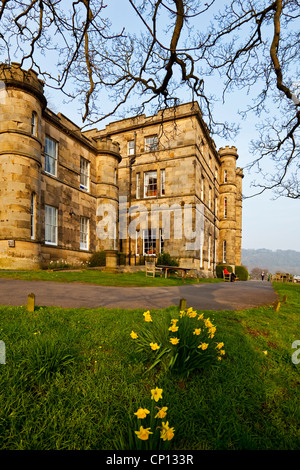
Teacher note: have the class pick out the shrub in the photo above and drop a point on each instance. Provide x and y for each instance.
(220, 268)
(242, 273)
(97, 259)
(165, 259)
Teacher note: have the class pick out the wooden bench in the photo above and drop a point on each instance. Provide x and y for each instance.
(227, 277)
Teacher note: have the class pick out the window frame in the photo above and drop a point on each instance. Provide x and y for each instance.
(55, 226)
(146, 186)
(224, 251)
(84, 245)
(130, 149)
(209, 252)
(157, 242)
(34, 122)
(49, 157)
(138, 186)
(84, 175)
(202, 188)
(225, 207)
(33, 216)
(151, 143)
(163, 182)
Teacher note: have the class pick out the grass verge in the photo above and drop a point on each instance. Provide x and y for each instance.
(72, 380)
(137, 279)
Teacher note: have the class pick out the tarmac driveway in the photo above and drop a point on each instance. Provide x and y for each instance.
(218, 296)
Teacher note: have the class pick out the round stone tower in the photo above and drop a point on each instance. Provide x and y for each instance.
(107, 160)
(230, 229)
(21, 104)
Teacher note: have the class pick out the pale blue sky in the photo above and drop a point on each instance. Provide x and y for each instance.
(267, 223)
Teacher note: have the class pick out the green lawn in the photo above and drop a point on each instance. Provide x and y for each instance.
(101, 278)
(72, 380)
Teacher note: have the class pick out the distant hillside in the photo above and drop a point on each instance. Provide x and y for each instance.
(280, 260)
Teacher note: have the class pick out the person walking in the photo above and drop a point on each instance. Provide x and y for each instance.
(262, 276)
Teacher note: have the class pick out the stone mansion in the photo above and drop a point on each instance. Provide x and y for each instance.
(66, 193)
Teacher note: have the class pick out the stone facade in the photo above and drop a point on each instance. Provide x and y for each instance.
(56, 179)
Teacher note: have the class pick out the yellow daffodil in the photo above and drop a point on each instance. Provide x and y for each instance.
(219, 358)
(174, 340)
(200, 317)
(148, 318)
(143, 433)
(265, 352)
(192, 314)
(162, 412)
(208, 323)
(173, 328)
(133, 335)
(154, 346)
(174, 321)
(156, 393)
(197, 331)
(222, 352)
(203, 346)
(220, 345)
(142, 413)
(166, 433)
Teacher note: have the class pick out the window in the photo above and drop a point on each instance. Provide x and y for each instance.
(34, 123)
(50, 156)
(203, 147)
(162, 182)
(138, 185)
(225, 207)
(202, 188)
(84, 174)
(151, 143)
(224, 251)
(209, 198)
(209, 161)
(151, 245)
(50, 225)
(32, 216)
(116, 176)
(150, 183)
(130, 150)
(225, 176)
(201, 256)
(209, 250)
(84, 233)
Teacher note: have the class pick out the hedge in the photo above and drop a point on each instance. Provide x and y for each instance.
(97, 259)
(242, 273)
